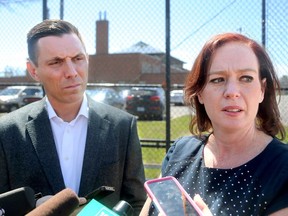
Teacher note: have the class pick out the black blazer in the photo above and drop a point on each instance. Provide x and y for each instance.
(28, 155)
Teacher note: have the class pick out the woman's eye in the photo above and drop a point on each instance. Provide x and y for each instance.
(217, 80)
(247, 78)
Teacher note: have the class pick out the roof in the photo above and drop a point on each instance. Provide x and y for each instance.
(141, 47)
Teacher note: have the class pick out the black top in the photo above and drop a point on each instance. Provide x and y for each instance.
(258, 187)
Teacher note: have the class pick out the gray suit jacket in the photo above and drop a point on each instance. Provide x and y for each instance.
(28, 155)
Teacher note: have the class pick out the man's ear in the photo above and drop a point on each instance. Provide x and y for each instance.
(31, 68)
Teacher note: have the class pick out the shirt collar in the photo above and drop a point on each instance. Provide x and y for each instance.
(82, 112)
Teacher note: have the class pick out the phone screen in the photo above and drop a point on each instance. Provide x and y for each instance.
(171, 199)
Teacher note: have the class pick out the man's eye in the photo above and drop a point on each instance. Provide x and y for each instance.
(55, 62)
(247, 78)
(79, 58)
(217, 80)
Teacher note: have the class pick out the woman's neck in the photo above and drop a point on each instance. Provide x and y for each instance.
(230, 151)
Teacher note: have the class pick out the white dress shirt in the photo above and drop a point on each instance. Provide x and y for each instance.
(70, 139)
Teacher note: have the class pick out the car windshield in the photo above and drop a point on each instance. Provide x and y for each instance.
(10, 91)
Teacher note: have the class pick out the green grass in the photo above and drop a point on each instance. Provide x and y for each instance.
(286, 138)
(156, 130)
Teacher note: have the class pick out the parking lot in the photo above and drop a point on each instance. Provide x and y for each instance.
(283, 107)
(177, 111)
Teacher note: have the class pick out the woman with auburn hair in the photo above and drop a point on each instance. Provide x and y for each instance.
(234, 159)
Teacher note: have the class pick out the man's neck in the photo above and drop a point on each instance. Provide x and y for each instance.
(67, 111)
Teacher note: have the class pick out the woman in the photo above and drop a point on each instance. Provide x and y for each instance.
(234, 160)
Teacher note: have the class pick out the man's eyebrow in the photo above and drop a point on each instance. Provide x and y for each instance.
(60, 58)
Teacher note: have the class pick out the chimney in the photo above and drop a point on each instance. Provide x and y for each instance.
(102, 35)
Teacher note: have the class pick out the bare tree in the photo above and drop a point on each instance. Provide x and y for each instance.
(8, 3)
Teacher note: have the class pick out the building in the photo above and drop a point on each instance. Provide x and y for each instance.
(138, 64)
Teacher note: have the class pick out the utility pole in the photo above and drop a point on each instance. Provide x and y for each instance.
(264, 23)
(61, 9)
(45, 10)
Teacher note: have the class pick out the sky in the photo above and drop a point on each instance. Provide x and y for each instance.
(130, 21)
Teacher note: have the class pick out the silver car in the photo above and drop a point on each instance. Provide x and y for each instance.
(177, 97)
(14, 97)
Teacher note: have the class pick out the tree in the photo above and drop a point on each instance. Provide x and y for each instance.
(9, 2)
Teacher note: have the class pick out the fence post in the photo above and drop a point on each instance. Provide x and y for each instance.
(167, 90)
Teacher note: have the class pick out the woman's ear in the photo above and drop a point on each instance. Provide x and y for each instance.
(263, 87)
(31, 68)
(200, 98)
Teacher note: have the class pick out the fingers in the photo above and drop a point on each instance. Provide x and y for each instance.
(82, 201)
(42, 200)
(202, 205)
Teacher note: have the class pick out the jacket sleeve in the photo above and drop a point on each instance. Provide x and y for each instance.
(133, 188)
(4, 186)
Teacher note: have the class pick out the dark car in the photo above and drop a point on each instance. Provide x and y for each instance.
(108, 96)
(146, 103)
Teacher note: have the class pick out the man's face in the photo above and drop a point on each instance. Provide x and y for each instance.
(62, 68)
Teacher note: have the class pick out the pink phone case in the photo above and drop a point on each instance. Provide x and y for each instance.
(170, 198)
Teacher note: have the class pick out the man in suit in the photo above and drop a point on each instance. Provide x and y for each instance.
(67, 140)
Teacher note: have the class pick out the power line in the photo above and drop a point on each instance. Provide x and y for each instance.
(205, 23)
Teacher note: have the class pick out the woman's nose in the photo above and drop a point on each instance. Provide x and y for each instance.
(232, 90)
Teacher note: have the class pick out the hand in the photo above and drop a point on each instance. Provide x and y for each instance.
(42, 200)
(82, 200)
(202, 205)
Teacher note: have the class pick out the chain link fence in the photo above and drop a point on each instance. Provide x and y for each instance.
(142, 25)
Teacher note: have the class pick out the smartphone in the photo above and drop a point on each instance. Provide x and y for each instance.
(100, 193)
(170, 198)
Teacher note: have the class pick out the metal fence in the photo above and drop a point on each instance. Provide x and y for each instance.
(177, 28)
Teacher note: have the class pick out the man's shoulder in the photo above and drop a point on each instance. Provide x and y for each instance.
(21, 114)
(107, 111)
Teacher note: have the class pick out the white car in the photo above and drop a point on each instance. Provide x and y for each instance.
(177, 97)
(14, 97)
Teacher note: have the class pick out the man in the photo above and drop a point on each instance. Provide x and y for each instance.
(66, 140)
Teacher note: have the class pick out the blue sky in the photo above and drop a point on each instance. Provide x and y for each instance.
(130, 21)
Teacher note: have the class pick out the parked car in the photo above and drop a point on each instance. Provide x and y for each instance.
(177, 97)
(108, 96)
(124, 93)
(146, 103)
(14, 97)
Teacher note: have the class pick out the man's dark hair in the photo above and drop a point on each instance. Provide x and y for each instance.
(48, 28)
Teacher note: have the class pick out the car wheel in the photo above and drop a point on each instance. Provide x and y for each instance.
(157, 117)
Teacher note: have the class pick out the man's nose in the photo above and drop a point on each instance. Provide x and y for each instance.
(70, 69)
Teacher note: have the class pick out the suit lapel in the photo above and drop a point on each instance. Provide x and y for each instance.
(40, 132)
(98, 128)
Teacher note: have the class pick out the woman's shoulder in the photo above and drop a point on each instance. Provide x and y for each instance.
(186, 146)
(277, 147)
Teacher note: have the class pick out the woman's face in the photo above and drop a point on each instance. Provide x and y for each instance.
(233, 89)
